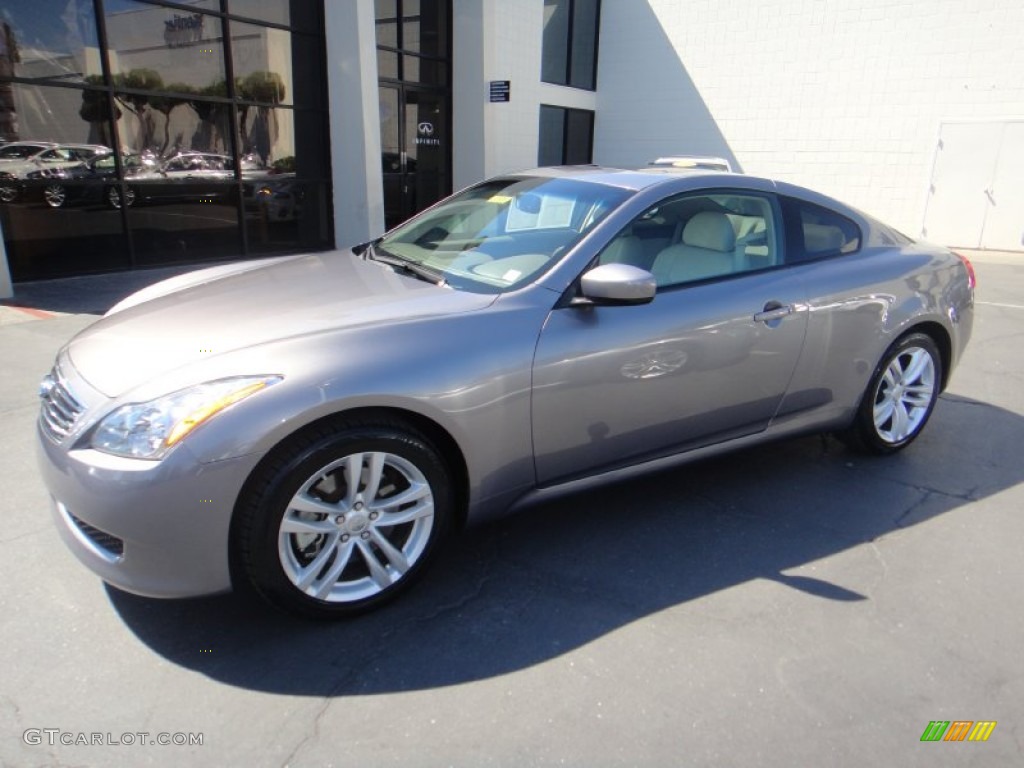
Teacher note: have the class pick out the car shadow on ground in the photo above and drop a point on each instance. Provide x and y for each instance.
(557, 576)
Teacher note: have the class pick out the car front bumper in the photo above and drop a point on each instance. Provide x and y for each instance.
(154, 528)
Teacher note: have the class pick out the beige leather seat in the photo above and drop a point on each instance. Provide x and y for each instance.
(706, 250)
(624, 249)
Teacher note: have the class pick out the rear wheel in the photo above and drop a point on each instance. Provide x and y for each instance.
(8, 194)
(345, 520)
(114, 197)
(900, 396)
(55, 195)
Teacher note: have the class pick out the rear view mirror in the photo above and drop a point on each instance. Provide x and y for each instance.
(528, 203)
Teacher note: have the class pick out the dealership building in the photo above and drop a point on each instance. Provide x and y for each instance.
(254, 127)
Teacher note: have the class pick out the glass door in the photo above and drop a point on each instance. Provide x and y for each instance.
(415, 149)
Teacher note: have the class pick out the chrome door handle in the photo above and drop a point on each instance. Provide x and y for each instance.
(773, 311)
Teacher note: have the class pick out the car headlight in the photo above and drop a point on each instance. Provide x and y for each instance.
(149, 430)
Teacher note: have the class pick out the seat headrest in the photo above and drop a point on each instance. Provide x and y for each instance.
(710, 230)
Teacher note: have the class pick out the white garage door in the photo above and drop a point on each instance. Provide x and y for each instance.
(976, 198)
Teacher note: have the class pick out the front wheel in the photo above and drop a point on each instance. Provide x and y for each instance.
(344, 520)
(55, 195)
(900, 396)
(8, 194)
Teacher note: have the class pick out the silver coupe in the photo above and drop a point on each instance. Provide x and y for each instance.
(315, 426)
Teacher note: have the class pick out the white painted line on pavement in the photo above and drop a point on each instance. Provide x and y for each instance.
(997, 304)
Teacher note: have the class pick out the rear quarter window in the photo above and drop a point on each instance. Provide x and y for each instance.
(815, 232)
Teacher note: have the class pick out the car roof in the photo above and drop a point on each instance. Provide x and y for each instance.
(31, 144)
(652, 182)
(643, 178)
(40, 145)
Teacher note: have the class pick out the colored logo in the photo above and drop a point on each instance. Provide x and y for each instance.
(958, 730)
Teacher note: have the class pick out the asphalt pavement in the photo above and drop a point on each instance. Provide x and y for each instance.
(791, 605)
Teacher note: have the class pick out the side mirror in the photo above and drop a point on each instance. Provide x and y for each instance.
(618, 284)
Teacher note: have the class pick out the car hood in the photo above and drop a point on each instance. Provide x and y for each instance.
(213, 312)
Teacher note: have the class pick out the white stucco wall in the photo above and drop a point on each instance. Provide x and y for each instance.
(500, 40)
(845, 96)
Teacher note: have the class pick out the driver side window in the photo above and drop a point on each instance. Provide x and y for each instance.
(691, 238)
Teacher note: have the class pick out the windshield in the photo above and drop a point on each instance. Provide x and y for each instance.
(503, 233)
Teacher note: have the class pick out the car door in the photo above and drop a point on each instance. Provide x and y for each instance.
(709, 359)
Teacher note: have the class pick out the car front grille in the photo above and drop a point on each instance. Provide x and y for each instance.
(112, 546)
(60, 410)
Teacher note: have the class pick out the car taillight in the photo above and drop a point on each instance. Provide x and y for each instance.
(971, 279)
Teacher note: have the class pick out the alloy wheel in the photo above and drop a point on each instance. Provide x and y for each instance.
(356, 527)
(904, 395)
(55, 195)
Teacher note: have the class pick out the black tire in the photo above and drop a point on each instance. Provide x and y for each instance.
(276, 562)
(8, 194)
(915, 392)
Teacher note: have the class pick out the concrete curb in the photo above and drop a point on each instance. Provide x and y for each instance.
(12, 314)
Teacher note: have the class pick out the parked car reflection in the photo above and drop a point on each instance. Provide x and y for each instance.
(189, 176)
(19, 161)
(82, 183)
(272, 197)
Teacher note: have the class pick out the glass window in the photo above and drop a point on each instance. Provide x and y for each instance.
(814, 232)
(579, 136)
(39, 113)
(566, 136)
(183, 219)
(387, 23)
(390, 135)
(425, 27)
(387, 64)
(266, 138)
(699, 237)
(551, 148)
(272, 11)
(425, 71)
(500, 234)
(284, 213)
(166, 125)
(156, 49)
(49, 40)
(284, 198)
(54, 218)
(195, 166)
(569, 55)
(583, 47)
(262, 58)
(555, 56)
(419, 27)
(297, 14)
